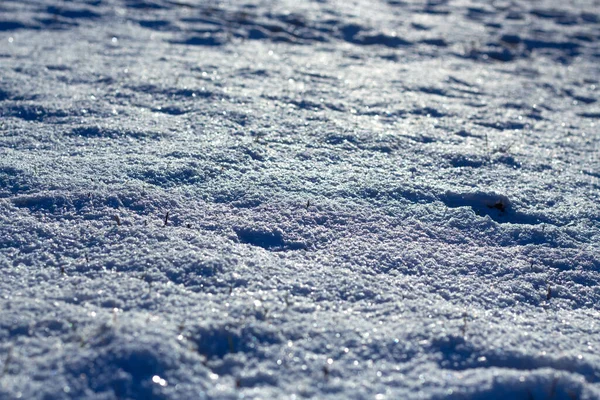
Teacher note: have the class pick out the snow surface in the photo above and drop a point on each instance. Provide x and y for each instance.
(283, 199)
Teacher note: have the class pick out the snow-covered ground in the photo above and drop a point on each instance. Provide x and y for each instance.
(267, 199)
